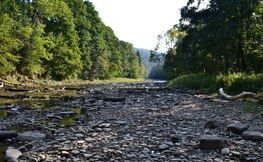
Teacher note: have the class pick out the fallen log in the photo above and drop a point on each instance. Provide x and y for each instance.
(241, 95)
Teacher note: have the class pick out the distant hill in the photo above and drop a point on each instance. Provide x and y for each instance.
(145, 56)
(153, 70)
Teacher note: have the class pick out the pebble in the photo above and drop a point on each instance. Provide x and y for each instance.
(75, 152)
(79, 135)
(163, 147)
(225, 151)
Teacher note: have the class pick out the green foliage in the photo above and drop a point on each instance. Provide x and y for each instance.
(203, 82)
(9, 45)
(66, 61)
(225, 36)
(156, 73)
(59, 40)
(232, 83)
(239, 82)
(34, 52)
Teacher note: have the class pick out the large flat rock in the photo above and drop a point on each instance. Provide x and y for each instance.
(237, 127)
(31, 136)
(253, 135)
(4, 134)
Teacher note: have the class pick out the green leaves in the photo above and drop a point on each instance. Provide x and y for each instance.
(61, 39)
(222, 37)
(9, 45)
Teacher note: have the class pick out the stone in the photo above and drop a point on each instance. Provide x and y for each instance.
(12, 153)
(237, 127)
(236, 154)
(80, 142)
(7, 134)
(31, 159)
(211, 124)
(120, 122)
(115, 99)
(131, 155)
(211, 142)
(104, 125)
(252, 135)
(31, 136)
(255, 130)
(79, 135)
(146, 150)
(225, 151)
(89, 139)
(163, 147)
(12, 160)
(67, 113)
(75, 152)
(169, 143)
(64, 153)
(175, 139)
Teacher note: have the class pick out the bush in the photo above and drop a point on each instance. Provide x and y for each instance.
(232, 83)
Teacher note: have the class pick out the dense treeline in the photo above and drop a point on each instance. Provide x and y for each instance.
(225, 36)
(61, 39)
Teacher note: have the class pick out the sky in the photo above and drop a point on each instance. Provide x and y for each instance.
(139, 21)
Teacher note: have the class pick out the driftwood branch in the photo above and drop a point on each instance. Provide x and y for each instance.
(241, 95)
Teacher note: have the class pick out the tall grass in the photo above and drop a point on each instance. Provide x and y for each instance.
(232, 83)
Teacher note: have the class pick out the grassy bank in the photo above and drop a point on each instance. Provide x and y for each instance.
(232, 83)
(38, 82)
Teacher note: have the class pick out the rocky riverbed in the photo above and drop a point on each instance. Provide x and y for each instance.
(132, 122)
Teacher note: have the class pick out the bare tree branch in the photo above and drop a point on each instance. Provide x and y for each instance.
(241, 95)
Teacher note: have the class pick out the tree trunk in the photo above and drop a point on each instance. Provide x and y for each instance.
(242, 65)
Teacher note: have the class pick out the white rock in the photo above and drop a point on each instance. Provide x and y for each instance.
(12, 153)
(225, 151)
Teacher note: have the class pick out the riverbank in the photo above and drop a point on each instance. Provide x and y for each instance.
(49, 83)
(232, 83)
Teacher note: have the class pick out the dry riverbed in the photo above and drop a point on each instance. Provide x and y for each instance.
(129, 122)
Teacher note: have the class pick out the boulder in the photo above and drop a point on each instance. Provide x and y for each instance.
(211, 142)
(237, 127)
(12, 153)
(253, 135)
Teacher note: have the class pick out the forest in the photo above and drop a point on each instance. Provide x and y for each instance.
(219, 44)
(61, 39)
(225, 36)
